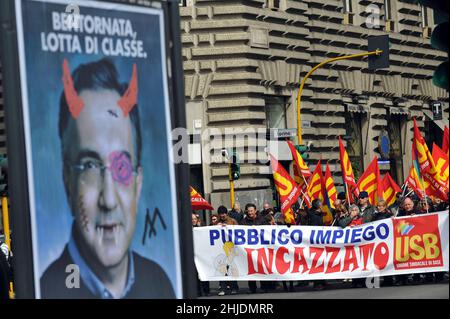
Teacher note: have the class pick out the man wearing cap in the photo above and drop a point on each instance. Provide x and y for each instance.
(343, 198)
(367, 210)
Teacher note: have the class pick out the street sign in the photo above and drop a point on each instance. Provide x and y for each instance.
(306, 124)
(381, 61)
(436, 107)
(284, 133)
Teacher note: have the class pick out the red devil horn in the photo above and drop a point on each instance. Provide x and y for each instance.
(129, 98)
(74, 102)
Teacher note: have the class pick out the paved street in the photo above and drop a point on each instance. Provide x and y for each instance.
(345, 291)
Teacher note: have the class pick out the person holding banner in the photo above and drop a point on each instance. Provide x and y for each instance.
(407, 208)
(396, 205)
(224, 219)
(340, 212)
(202, 286)
(252, 218)
(353, 219)
(382, 211)
(315, 218)
(439, 204)
(214, 220)
(236, 213)
(426, 206)
(315, 214)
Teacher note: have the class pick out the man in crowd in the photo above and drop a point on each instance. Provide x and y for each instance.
(315, 214)
(267, 209)
(394, 208)
(225, 220)
(407, 208)
(236, 213)
(440, 205)
(252, 218)
(342, 196)
(315, 218)
(367, 210)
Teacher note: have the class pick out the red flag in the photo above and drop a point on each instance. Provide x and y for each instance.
(289, 217)
(427, 166)
(317, 190)
(445, 141)
(390, 189)
(441, 162)
(415, 183)
(315, 183)
(198, 202)
(330, 188)
(300, 181)
(347, 170)
(370, 181)
(302, 168)
(286, 187)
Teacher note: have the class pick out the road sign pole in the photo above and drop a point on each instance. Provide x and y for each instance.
(230, 178)
(5, 214)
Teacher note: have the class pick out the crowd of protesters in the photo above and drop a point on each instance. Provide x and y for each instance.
(344, 215)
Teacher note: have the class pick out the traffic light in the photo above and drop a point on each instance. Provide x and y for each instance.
(439, 38)
(303, 149)
(379, 42)
(235, 167)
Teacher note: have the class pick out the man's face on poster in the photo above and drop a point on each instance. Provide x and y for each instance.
(105, 186)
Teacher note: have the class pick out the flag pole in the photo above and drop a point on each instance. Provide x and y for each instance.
(348, 193)
(404, 188)
(304, 179)
(409, 193)
(424, 192)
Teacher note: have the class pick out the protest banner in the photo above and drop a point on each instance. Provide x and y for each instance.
(416, 244)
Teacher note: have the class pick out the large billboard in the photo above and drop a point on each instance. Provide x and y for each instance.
(97, 132)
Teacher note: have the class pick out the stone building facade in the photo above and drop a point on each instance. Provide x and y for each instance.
(244, 60)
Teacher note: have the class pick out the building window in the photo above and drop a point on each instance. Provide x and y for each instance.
(276, 113)
(425, 22)
(389, 23)
(387, 10)
(273, 4)
(424, 16)
(348, 6)
(353, 124)
(186, 3)
(348, 12)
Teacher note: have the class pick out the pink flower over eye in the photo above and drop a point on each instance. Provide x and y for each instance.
(121, 168)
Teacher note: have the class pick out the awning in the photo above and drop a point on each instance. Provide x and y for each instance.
(441, 123)
(399, 111)
(355, 108)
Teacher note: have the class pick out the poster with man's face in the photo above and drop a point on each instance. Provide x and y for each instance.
(97, 126)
